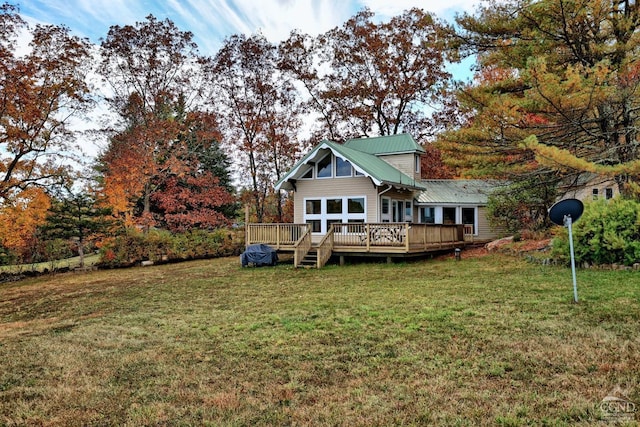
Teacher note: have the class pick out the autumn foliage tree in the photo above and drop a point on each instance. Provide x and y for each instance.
(261, 112)
(368, 79)
(557, 92)
(19, 222)
(153, 71)
(40, 91)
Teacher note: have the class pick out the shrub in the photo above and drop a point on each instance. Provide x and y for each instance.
(607, 233)
(135, 246)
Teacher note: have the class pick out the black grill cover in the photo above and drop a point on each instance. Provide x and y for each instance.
(258, 255)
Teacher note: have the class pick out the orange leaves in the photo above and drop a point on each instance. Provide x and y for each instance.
(193, 202)
(40, 91)
(20, 219)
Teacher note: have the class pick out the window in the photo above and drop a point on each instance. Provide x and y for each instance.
(469, 217)
(321, 213)
(313, 207)
(448, 215)
(334, 206)
(408, 211)
(356, 205)
(343, 167)
(608, 193)
(417, 163)
(357, 173)
(385, 206)
(308, 174)
(594, 193)
(324, 167)
(315, 225)
(428, 215)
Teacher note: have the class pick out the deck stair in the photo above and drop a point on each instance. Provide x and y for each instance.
(310, 260)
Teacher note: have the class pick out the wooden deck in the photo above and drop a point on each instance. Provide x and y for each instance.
(359, 239)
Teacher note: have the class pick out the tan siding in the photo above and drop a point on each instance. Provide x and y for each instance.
(335, 187)
(402, 162)
(485, 231)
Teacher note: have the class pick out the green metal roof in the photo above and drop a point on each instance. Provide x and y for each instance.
(380, 172)
(390, 144)
(458, 191)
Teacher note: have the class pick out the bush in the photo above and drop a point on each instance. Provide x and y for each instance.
(135, 246)
(607, 233)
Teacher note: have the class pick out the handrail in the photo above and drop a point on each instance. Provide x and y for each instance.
(325, 248)
(302, 247)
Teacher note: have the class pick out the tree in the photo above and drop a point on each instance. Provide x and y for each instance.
(20, 220)
(370, 79)
(40, 91)
(76, 217)
(557, 94)
(153, 69)
(260, 110)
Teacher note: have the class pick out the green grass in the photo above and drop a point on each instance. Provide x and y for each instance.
(485, 341)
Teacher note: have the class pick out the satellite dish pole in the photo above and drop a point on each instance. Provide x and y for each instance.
(567, 223)
(565, 212)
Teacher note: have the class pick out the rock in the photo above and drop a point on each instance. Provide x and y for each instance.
(497, 244)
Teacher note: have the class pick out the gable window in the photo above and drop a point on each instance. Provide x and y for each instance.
(343, 167)
(308, 174)
(324, 167)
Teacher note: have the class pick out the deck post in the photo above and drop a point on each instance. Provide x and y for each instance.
(278, 236)
(368, 231)
(406, 236)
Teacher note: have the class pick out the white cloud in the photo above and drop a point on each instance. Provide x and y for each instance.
(439, 7)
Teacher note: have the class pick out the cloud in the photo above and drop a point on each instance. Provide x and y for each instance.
(442, 8)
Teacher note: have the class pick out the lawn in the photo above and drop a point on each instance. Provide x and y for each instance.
(484, 341)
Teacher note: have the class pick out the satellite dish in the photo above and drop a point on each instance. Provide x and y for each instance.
(566, 212)
(571, 208)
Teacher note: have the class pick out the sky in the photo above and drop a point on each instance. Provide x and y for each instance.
(211, 21)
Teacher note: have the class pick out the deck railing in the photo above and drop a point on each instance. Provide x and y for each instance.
(277, 235)
(396, 235)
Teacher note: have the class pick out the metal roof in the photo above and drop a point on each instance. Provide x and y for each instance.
(457, 191)
(380, 172)
(389, 144)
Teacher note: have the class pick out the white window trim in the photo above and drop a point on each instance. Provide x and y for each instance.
(344, 217)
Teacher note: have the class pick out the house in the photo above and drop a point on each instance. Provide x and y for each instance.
(366, 197)
(589, 186)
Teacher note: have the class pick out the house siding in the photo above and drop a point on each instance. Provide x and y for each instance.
(403, 162)
(485, 231)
